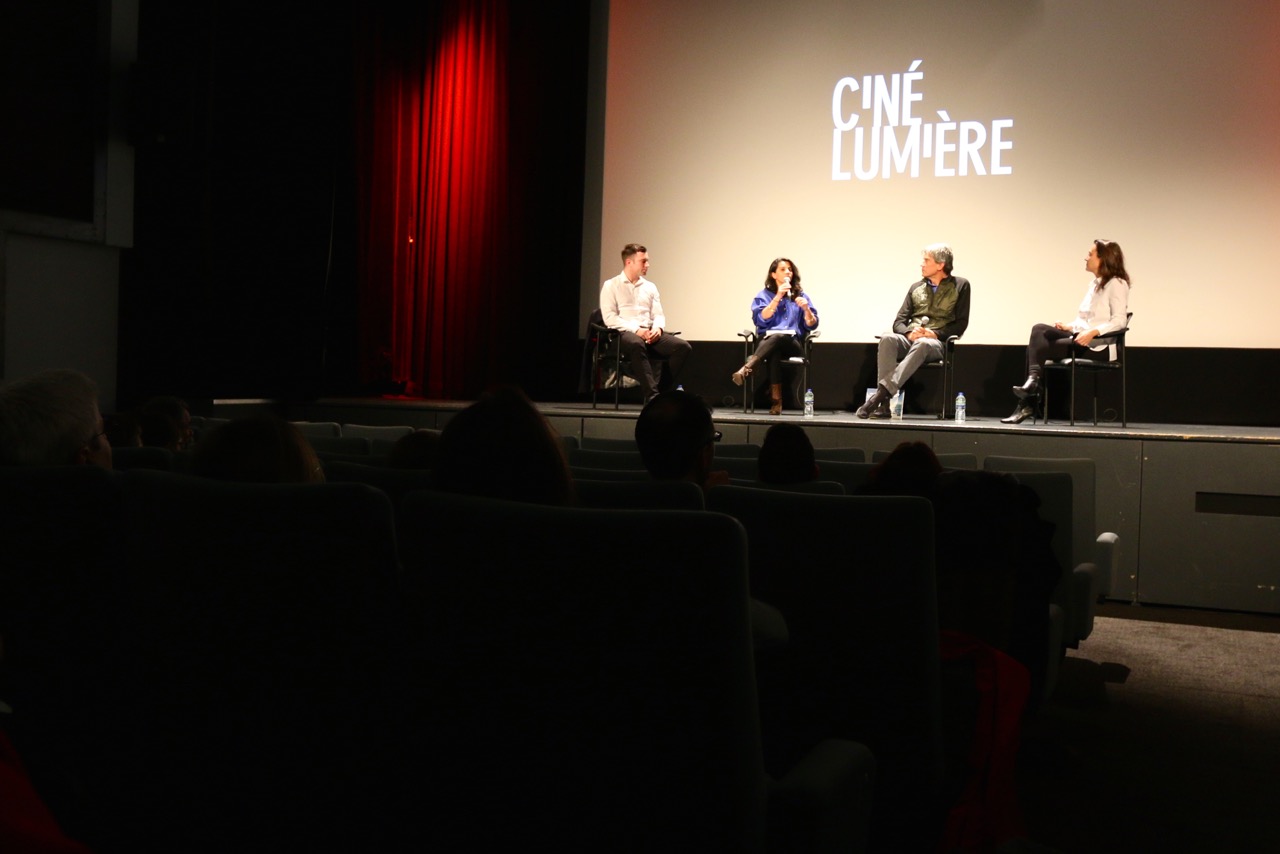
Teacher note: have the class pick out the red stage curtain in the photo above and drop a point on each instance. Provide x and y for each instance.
(431, 142)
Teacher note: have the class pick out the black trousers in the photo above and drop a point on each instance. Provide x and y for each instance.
(773, 349)
(670, 347)
(1048, 342)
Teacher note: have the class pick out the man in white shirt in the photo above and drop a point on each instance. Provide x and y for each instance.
(630, 304)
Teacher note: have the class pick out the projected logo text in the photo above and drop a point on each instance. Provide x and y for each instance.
(897, 140)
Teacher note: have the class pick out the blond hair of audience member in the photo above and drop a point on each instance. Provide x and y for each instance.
(52, 419)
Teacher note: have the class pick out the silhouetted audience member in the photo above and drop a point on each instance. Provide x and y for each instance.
(158, 430)
(416, 450)
(911, 469)
(676, 438)
(995, 564)
(52, 419)
(177, 410)
(256, 449)
(786, 456)
(502, 447)
(122, 430)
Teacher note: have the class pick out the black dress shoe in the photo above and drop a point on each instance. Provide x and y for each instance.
(1024, 411)
(877, 403)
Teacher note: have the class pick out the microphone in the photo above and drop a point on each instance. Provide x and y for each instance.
(787, 282)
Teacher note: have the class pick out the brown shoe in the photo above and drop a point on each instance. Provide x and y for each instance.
(740, 375)
(775, 394)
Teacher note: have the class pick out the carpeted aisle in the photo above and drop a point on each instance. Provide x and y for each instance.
(1160, 737)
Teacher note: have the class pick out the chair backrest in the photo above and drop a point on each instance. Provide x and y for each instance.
(1054, 490)
(845, 455)
(1117, 339)
(61, 559)
(812, 487)
(312, 429)
(1083, 473)
(639, 495)
(854, 579)
(396, 483)
(369, 459)
(749, 450)
(949, 461)
(351, 445)
(848, 474)
(602, 700)
(744, 468)
(376, 431)
(603, 443)
(159, 459)
(589, 473)
(589, 458)
(258, 621)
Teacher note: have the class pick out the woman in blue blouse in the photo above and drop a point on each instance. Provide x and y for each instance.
(783, 315)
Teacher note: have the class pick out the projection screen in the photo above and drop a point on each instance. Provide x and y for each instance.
(848, 135)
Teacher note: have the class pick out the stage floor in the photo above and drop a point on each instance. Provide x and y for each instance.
(416, 411)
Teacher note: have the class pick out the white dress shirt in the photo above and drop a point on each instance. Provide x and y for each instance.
(631, 307)
(1104, 310)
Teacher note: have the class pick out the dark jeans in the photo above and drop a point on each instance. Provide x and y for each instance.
(773, 350)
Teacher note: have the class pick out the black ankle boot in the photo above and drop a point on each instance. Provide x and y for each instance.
(1030, 387)
(1026, 409)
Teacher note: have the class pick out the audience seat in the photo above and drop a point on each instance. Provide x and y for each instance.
(1077, 592)
(259, 696)
(639, 495)
(125, 458)
(602, 701)
(854, 579)
(349, 445)
(376, 431)
(61, 531)
(966, 461)
(396, 483)
(318, 429)
(1088, 544)
(847, 455)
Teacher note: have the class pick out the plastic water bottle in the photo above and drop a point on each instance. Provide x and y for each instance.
(960, 408)
(808, 404)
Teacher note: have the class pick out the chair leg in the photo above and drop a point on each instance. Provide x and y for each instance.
(1124, 396)
(617, 378)
(1073, 392)
(1095, 398)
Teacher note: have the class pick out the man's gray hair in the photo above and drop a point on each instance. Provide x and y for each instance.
(941, 253)
(47, 418)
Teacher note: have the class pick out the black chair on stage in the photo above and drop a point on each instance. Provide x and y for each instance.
(608, 364)
(948, 367)
(749, 343)
(1095, 367)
